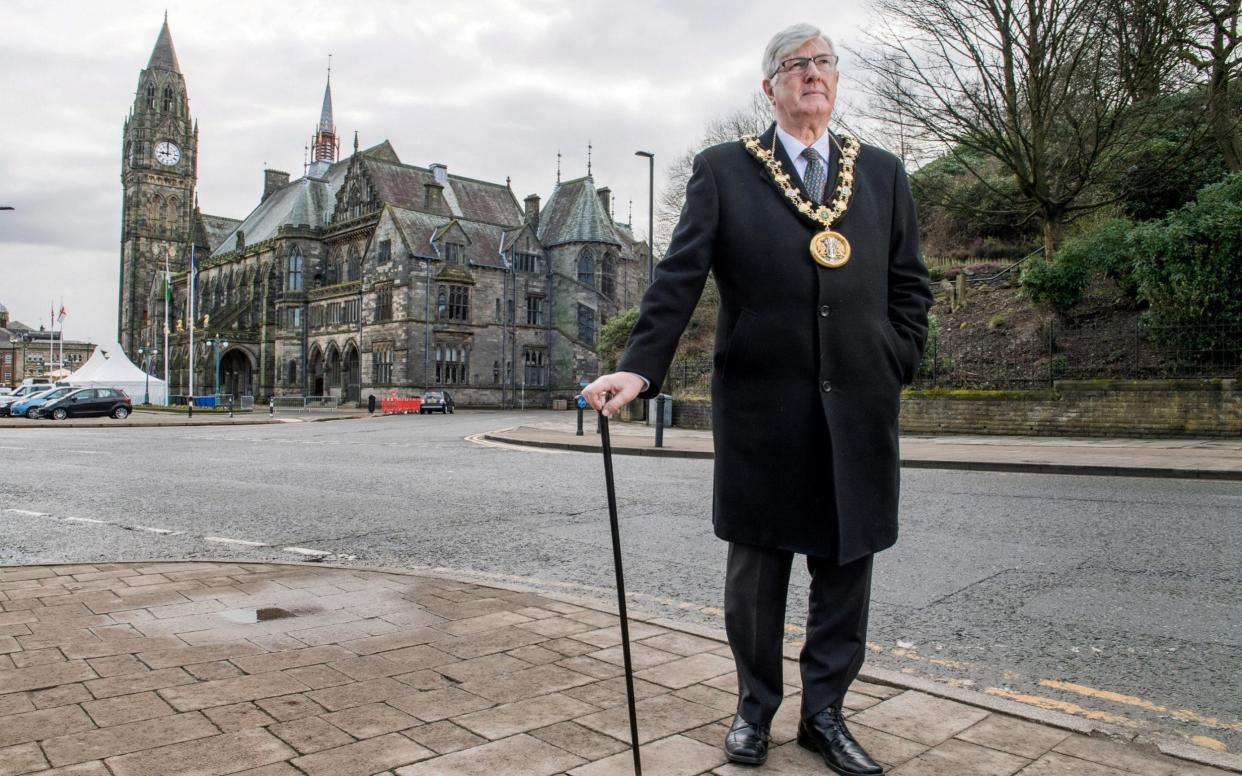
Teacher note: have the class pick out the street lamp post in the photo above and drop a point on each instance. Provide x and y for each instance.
(146, 353)
(650, 212)
(217, 345)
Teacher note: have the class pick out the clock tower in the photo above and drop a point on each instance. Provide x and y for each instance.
(159, 167)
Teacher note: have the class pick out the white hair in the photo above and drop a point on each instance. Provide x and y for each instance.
(788, 41)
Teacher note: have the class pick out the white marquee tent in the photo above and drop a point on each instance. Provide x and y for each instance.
(108, 367)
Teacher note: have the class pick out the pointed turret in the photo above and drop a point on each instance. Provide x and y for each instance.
(164, 56)
(324, 145)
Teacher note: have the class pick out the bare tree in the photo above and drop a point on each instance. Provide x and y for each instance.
(1210, 43)
(753, 118)
(1027, 84)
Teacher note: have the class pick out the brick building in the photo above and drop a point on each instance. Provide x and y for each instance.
(366, 275)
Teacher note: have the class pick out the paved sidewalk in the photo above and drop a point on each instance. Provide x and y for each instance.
(1194, 458)
(171, 669)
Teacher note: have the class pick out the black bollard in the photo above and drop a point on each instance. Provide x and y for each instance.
(659, 420)
(231, 408)
(578, 402)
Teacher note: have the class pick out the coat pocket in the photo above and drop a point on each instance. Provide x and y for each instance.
(738, 344)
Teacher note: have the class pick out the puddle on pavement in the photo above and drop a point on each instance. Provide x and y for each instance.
(247, 616)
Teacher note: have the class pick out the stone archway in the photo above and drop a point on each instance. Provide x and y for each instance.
(314, 371)
(351, 374)
(236, 373)
(332, 371)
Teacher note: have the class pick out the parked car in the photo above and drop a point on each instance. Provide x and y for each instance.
(436, 401)
(87, 402)
(29, 406)
(18, 395)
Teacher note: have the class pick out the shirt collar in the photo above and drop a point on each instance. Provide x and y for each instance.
(794, 147)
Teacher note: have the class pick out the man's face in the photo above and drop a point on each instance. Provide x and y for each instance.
(806, 97)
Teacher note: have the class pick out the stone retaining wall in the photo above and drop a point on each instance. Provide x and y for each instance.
(1087, 408)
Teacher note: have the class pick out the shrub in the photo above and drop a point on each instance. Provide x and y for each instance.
(614, 335)
(1107, 249)
(1059, 285)
(926, 366)
(1187, 265)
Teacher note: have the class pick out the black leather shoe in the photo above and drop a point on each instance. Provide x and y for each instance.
(747, 743)
(827, 734)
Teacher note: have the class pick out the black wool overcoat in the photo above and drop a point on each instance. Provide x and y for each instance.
(808, 361)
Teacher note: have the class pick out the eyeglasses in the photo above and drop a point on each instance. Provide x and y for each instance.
(823, 62)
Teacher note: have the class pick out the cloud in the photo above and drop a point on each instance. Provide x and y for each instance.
(493, 89)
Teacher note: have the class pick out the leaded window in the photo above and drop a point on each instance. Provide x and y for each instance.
(383, 303)
(451, 364)
(381, 365)
(536, 366)
(608, 283)
(586, 268)
(534, 310)
(295, 270)
(586, 325)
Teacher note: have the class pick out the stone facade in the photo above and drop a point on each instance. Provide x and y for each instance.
(371, 276)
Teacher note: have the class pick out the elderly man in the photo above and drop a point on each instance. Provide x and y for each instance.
(813, 242)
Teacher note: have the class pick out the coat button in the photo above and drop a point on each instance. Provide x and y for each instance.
(823, 311)
(826, 385)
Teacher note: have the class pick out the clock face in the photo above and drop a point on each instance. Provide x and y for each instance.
(167, 153)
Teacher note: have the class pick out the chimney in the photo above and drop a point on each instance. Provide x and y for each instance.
(605, 199)
(532, 209)
(433, 198)
(272, 180)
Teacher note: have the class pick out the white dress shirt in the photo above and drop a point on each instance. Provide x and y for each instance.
(794, 147)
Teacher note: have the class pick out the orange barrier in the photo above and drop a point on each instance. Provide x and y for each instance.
(398, 405)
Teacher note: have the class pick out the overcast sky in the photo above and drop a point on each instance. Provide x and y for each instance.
(492, 88)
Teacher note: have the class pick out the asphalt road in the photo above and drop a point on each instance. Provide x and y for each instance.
(1115, 598)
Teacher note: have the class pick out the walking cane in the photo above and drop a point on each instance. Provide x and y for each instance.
(616, 561)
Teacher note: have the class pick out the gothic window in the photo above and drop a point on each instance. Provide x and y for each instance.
(151, 96)
(295, 270)
(168, 99)
(608, 284)
(586, 325)
(526, 261)
(454, 253)
(384, 252)
(383, 303)
(534, 310)
(459, 303)
(451, 364)
(441, 304)
(586, 268)
(381, 365)
(536, 365)
(292, 373)
(354, 268)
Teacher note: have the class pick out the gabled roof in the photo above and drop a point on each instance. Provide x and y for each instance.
(419, 227)
(403, 186)
(305, 201)
(217, 228)
(163, 56)
(575, 214)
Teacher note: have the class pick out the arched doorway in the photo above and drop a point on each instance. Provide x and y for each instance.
(351, 374)
(332, 371)
(236, 373)
(315, 372)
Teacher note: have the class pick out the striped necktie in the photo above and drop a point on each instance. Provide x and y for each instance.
(816, 174)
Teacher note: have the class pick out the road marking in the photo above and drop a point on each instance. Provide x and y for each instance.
(86, 520)
(223, 540)
(306, 551)
(3, 447)
(1209, 742)
(1063, 706)
(1185, 715)
(481, 442)
(165, 531)
(28, 513)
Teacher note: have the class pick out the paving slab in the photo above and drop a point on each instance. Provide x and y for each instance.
(423, 674)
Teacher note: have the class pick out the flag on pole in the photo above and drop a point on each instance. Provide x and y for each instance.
(60, 317)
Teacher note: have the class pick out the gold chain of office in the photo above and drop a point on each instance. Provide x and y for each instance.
(829, 248)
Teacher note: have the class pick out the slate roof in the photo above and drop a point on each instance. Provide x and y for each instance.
(305, 201)
(418, 228)
(575, 214)
(216, 228)
(402, 185)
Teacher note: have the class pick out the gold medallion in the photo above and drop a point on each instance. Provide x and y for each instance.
(830, 249)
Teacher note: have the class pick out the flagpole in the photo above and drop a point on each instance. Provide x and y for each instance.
(193, 279)
(167, 295)
(62, 332)
(51, 342)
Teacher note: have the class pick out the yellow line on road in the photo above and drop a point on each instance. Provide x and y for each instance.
(1063, 706)
(1185, 715)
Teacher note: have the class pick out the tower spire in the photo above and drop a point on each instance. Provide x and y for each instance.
(588, 158)
(558, 165)
(325, 144)
(164, 56)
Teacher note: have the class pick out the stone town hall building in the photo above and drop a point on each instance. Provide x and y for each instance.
(364, 275)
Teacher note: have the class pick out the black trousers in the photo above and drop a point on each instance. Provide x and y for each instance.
(756, 583)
